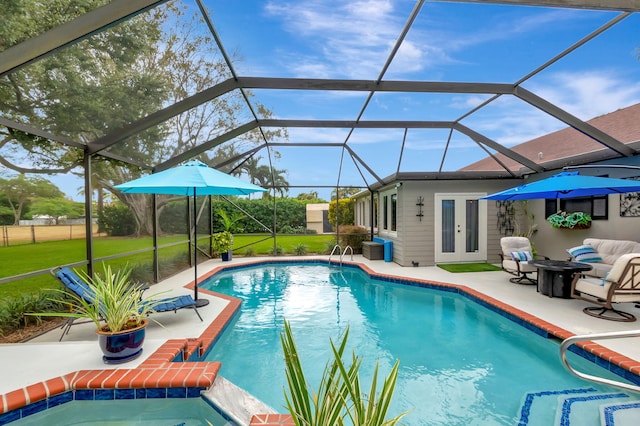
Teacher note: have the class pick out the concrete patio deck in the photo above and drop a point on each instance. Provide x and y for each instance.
(44, 358)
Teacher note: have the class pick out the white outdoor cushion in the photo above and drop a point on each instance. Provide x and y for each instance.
(611, 250)
(512, 265)
(593, 287)
(598, 269)
(510, 244)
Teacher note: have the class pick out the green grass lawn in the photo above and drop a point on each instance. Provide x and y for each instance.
(20, 259)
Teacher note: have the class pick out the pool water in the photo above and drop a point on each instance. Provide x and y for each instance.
(129, 412)
(460, 363)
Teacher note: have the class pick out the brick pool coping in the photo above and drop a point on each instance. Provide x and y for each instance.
(160, 369)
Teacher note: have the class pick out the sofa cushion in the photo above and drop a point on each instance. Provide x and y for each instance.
(585, 253)
(598, 269)
(611, 250)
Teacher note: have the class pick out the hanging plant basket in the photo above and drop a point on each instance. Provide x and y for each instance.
(564, 220)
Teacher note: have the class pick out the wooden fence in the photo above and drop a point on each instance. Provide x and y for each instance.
(13, 235)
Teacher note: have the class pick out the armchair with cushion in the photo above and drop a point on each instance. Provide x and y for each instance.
(621, 284)
(515, 257)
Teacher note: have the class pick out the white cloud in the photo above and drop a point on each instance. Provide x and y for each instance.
(588, 94)
(354, 38)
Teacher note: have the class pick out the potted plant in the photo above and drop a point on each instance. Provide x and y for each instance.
(221, 243)
(577, 220)
(117, 308)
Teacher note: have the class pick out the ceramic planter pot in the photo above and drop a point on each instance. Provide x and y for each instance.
(122, 346)
(226, 256)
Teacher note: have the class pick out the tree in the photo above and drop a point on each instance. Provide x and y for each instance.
(342, 212)
(266, 177)
(57, 208)
(345, 192)
(114, 78)
(21, 189)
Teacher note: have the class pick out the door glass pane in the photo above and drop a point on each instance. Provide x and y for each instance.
(472, 232)
(448, 226)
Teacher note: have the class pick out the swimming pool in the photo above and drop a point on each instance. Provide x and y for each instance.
(460, 363)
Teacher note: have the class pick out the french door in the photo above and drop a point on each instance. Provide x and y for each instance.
(460, 228)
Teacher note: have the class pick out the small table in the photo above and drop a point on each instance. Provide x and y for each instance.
(555, 276)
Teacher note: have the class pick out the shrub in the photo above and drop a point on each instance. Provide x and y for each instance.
(287, 229)
(329, 247)
(276, 251)
(117, 220)
(300, 249)
(353, 236)
(249, 252)
(13, 310)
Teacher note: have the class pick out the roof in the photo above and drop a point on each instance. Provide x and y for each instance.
(568, 143)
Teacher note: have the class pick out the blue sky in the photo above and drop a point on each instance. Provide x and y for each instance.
(459, 42)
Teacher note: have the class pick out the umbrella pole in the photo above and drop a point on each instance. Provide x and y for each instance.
(199, 302)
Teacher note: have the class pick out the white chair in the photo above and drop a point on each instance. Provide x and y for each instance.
(621, 284)
(515, 257)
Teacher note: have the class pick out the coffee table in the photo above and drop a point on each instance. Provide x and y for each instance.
(555, 276)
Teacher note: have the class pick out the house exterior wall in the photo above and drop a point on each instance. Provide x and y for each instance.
(315, 216)
(414, 239)
(417, 234)
(552, 242)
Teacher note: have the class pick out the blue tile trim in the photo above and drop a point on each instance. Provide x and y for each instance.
(566, 405)
(525, 411)
(125, 394)
(9, 417)
(609, 412)
(99, 395)
(104, 394)
(34, 408)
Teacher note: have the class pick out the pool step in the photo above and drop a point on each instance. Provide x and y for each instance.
(539, 408)
(623, 414)
(584, 410)
(579, 407)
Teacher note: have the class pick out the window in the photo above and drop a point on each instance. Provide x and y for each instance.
(375, 212)
(597, 207)
(394, 211)
(385, 212)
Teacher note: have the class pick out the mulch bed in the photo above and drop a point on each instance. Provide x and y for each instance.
(31, 331)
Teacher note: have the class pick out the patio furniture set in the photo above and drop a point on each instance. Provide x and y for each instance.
(599, 271)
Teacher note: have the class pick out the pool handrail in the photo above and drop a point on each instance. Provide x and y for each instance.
(347, 248)
(566, 343)
(337, 246)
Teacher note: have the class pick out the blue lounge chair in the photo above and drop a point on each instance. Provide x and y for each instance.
(77, 285)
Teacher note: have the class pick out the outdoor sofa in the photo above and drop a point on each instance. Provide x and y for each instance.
(601, 254)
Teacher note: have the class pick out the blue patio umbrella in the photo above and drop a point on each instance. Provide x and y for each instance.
(567, 185)
(192, 178)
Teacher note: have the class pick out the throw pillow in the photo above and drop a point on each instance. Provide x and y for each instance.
(522, 256)
(584, 253)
